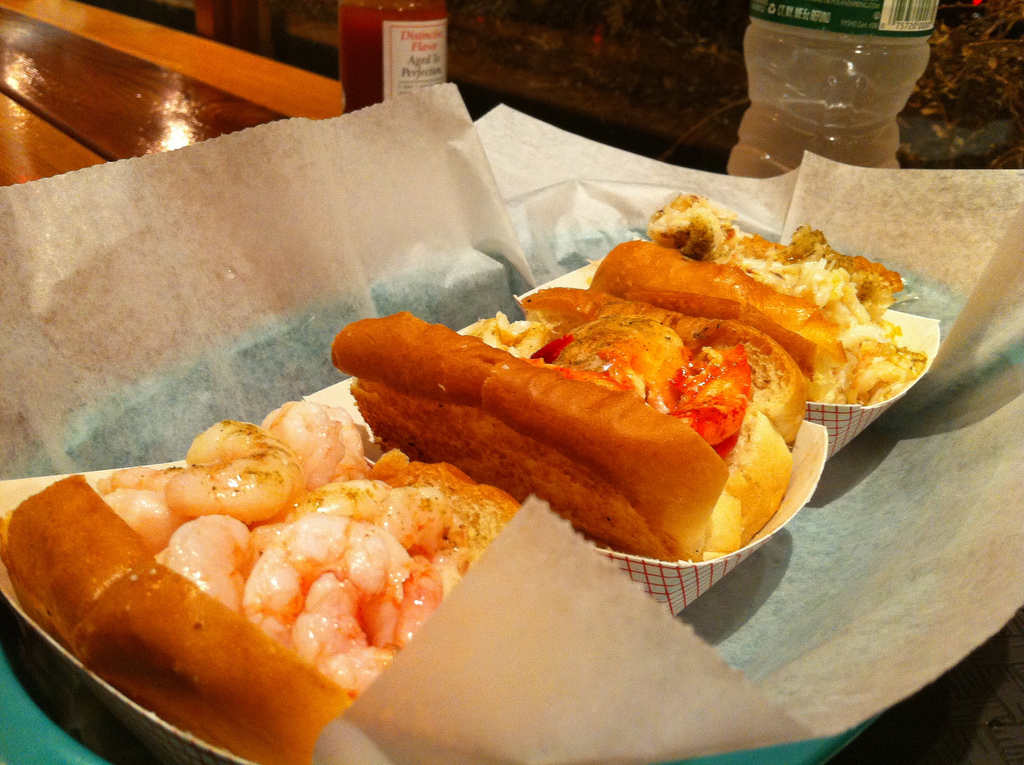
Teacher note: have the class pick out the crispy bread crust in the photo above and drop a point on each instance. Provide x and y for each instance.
(641, 270)
(484, 509)
(205, 669)
(671, 476)
(436, 362)
(63, 548)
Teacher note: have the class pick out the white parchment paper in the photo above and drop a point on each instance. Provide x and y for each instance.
(146, 299)
(157, 295)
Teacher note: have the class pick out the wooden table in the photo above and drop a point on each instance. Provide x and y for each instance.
(80, 85)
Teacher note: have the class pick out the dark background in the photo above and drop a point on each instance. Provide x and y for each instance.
(665, 78)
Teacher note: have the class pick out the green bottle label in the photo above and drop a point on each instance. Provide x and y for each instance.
(886, 18)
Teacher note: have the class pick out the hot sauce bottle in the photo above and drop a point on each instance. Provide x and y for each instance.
(389, 47)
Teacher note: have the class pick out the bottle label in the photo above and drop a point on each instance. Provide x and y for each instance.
(886, 18)
(415, 55)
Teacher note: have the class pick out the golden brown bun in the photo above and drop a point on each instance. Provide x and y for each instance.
(205, 669)
(621, 472)
(670, 475)
(645, 271)
(779, 386)
(63, 548)
(80, 571)
(436, 362)
(483, 445)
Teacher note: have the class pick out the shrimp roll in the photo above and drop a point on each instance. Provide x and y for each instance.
(653, 433)
(252, 633)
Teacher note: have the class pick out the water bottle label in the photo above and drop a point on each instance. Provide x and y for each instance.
(886, 18)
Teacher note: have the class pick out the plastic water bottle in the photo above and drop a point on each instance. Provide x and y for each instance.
(829, 77)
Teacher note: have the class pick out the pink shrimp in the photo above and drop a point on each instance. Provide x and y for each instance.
(325, 438)
(329, 635)
(214, 552)
(237, 469)
(146, 511)
(343, 593)
(393, 623)
(420, 517)
(151, 479)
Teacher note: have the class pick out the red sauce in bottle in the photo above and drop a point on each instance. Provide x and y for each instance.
(362, 46)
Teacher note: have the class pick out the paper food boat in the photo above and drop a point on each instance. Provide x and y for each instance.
(679, 584)
(844, 422)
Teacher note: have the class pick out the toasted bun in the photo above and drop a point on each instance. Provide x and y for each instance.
(779, 386)
(78, 569)
(435, 362)
(621, 472)
(63, 548)
(483, 445)
(645, 271)
(205, 669)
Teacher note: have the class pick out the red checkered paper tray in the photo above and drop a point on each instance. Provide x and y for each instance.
(845, 421)
(679, 584)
